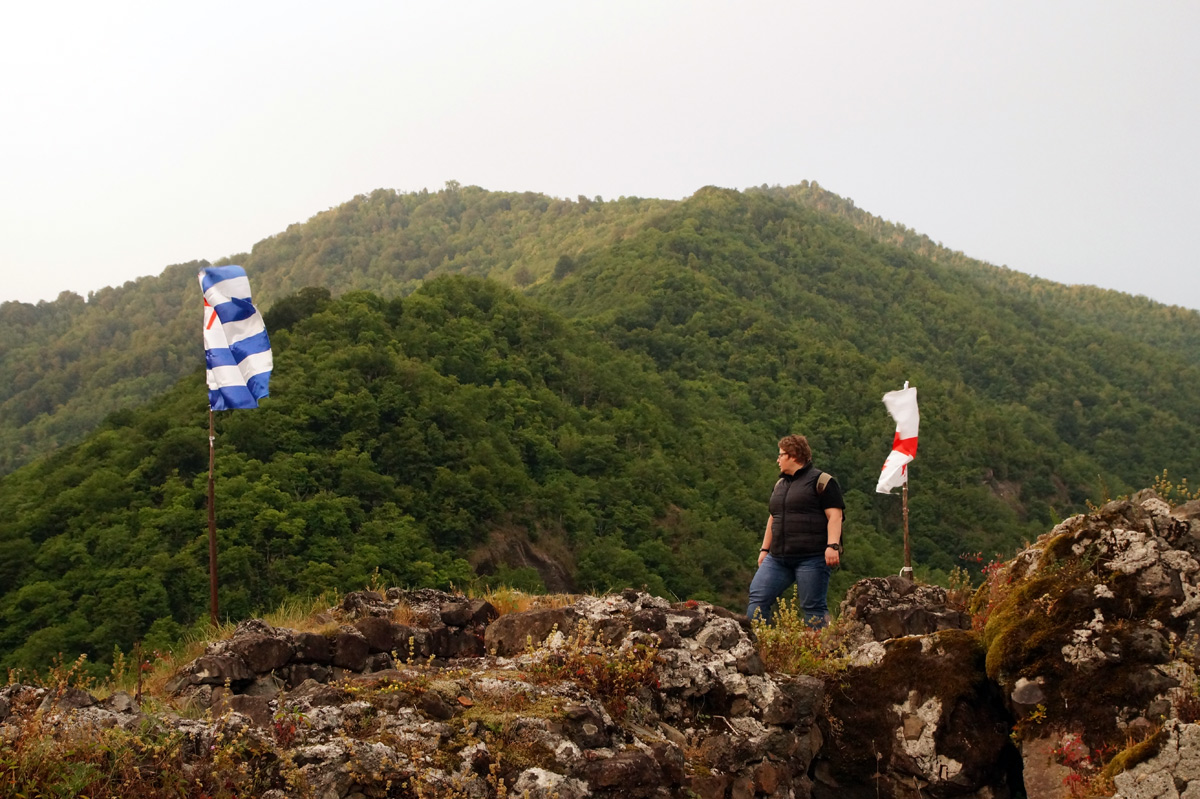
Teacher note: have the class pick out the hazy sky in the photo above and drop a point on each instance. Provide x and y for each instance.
(1057, 138)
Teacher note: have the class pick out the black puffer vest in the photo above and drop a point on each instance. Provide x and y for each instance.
(798, 522)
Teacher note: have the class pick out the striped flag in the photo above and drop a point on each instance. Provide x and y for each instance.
(235, 340)
(902, 405)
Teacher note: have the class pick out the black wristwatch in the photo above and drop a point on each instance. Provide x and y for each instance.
(836, 547)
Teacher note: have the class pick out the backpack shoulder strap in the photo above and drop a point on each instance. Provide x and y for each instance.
(823, 481)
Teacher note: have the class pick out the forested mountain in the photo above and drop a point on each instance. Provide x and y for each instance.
(616, 425)
(67, 363)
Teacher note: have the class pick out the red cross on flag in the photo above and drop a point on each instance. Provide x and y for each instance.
(902, 405)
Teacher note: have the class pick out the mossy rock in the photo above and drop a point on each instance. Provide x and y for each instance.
(1081, 630)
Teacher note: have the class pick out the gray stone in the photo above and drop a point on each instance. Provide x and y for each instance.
(1146, 645)
(719, 634)
(212, 670)
(365, 603)
(673, 735)
(255, 708)
(380, 661)
(315, 694)
(686, 621)
(349, 649)
(265, 686)
(751, 664)
(312, 648)
(650, 620)
(511, 633)
(303, 672)
(1028, 692)
(380, 633)
(67, 699)
(433, 705)
(632, 773)
(121, 702)
(538, 783)
(468, 613)
(585, 728)
(671, 761)
(452, 643)
(262, 653)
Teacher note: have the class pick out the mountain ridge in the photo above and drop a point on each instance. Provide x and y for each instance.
(66, 363)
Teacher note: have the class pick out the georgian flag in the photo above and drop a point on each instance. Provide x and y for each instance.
(902, 405)
(236, 346)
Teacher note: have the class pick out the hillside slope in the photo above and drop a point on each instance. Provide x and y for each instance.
(65, 364)
(614, 427)
(466, 433)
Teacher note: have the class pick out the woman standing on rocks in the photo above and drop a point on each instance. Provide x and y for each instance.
(803, 540)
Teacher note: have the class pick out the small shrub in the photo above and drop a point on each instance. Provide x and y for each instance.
(1174, 493)
(959, 589)
(789, 646)
(607, 673)
(996, 586)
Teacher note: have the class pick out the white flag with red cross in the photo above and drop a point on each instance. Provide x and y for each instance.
(902, 405)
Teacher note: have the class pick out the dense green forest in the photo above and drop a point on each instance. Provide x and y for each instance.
(596, 406)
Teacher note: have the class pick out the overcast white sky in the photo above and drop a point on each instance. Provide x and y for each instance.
(1057, 138)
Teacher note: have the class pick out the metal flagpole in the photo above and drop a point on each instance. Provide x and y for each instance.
(213, 526)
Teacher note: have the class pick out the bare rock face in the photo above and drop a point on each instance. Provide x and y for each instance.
(1170, 768)
(212, 670)
(921, 719)
(468, 613)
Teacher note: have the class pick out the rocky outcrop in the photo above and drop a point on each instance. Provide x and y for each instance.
(624, 695)
(881, 608)
(1072, 672)
(1085, 644)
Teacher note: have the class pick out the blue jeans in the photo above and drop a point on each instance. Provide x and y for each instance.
(811, 577)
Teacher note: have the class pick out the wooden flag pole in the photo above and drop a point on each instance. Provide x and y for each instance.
(907, 548)
(213, 526)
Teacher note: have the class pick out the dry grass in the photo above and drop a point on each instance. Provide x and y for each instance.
(403, 614)
(510, 600)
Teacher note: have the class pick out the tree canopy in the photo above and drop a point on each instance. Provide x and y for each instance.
(462, 375)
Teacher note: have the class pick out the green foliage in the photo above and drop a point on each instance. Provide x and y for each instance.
(399, 434)
(789, 646)
(623, 419)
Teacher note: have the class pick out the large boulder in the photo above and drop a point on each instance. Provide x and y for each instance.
(513, 633)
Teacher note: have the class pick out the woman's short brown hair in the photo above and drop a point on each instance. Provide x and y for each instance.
(797, 447)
